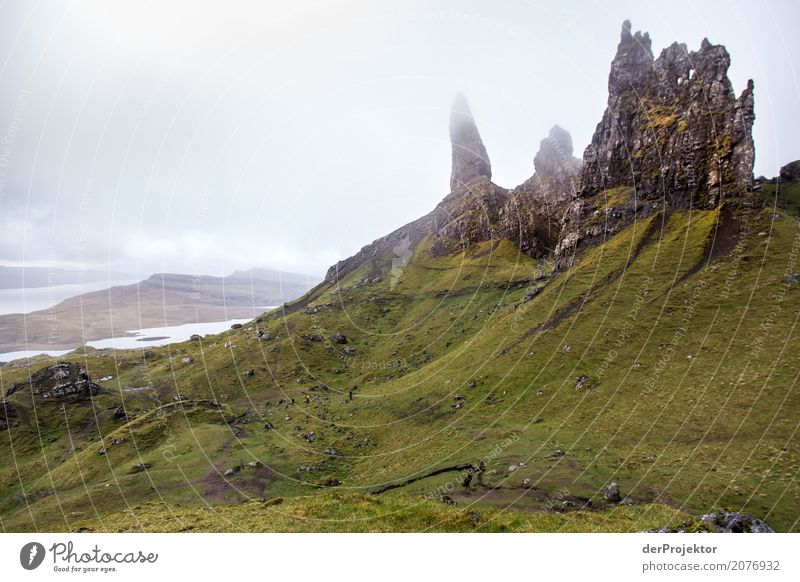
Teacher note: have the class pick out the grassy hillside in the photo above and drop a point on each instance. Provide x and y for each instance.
(662, 361)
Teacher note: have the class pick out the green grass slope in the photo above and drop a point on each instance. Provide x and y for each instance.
(662, 361)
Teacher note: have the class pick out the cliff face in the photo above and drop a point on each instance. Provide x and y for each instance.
(674, 135)
(673, 126)
(531, 217)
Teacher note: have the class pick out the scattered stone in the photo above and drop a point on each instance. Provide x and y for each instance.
(139, 467)
(195, 337)
(349, 351)
(792, 278)
(558, 453)
(446, 499)
(331, 482)
(119, 413)
(332, 452)
(236, 326)
(268, 426)
(583, 381)
(531, 294)
(102, 451)
(232, 471)
(512, 468)
(249, 373)
(567, 348)
(338, 338)
(255, 464)
(187, 360)
(118, 441)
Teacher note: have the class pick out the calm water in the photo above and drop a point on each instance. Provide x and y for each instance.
(141, 338)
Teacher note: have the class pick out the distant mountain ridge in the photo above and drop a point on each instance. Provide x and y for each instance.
(31, 277)
(163, 299)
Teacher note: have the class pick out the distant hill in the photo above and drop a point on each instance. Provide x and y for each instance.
(163, 299)
(31, 277)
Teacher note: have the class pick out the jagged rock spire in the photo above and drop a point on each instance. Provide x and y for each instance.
(470, 160)
(633, 62)
(674, 133)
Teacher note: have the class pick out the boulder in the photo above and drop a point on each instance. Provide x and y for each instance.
(612, 493)
(735, 522)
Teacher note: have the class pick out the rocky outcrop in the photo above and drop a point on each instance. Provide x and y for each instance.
(59, 381)
(791, 172)
(8, 415)
(470, 160)
(674, 135)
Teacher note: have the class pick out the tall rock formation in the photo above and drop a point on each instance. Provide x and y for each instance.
(470, 160)
(531, 217)
(674, 135)
(470, 213)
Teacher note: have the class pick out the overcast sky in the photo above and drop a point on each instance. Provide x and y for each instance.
(201, 137)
